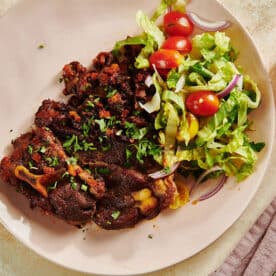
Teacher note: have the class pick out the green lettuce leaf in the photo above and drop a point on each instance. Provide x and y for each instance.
(162, 8)
(150, 28)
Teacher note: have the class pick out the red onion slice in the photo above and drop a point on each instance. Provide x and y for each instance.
(230, 86)
(202, 176)
(240, 83)
(215, 190)
(163, 173)
(206, 25)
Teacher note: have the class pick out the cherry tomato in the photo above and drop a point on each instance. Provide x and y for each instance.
(202, 103)
(166, 59)
(164, 72)
(178, 23)
(179, 43)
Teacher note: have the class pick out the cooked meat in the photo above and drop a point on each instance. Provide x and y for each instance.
(116, 154)
(74, 206)
(127, 217)
(127, 178)
(83, 160)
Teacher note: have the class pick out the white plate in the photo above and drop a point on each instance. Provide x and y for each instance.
(78, 30)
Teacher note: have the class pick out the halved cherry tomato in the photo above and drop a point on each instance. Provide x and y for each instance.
(164, 72)
(202, 103)
(166, 59)
(178, 23)
(179, 43)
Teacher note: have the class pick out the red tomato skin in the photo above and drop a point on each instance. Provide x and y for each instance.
(166, 59)
(202, 103)
(178, 24)
(163, 72)
(179, 43)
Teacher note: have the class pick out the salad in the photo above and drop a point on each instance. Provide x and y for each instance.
(202, 99)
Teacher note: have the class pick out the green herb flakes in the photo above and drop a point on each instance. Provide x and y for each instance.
(72, 161)
(30, 149)
(52, 187)
(31, 166)
(115, 214)
(52, 161)
(84, 188)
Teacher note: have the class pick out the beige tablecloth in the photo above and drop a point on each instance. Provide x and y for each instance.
(259, 17)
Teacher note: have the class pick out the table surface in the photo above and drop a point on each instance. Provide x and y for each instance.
(259, 17)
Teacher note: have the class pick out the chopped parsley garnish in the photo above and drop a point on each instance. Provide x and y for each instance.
(52, 161)
(30, 149)
(106, 148)
(133, 132)
(90, 104)
(41, 46)
(108, 222)
(167, 170)
(31, 166)
(74, 186)
(73, 144)
(66, 174)
(128, 153)
(136, 112)
(52, 187)
(86, 127)
(102, 124)
(115, 214)
(88, 146)
(42, 149)
(86, 86)
(72, 161)
(150, 236)
(103, 170)
(111, 93)
(147, 148)
(84, 188)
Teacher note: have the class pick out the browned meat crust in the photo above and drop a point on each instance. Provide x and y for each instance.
(80, 161)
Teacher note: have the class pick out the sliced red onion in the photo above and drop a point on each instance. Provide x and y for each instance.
(163, 173)
(202, 176)
(240, 83)
(215, 190)
(180, 84)
(148, 81)
(230, 86)
(206, 25)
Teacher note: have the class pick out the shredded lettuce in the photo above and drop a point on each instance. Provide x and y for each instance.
(154, 104)
(212, 46)
(222, 139)
(162, 8)
(150, 28)
(217, 143)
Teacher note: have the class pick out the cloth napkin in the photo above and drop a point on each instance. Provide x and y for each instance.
(255, 255)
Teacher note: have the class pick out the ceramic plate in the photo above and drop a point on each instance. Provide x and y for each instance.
(78, 30)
